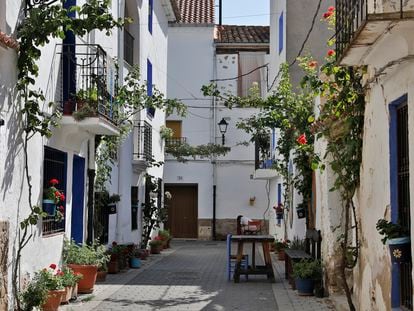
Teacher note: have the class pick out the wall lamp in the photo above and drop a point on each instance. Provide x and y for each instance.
(223, 129)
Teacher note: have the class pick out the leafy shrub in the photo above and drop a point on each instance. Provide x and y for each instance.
(307, 269)
(390, 230)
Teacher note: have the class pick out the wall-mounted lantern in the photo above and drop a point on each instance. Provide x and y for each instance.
(223, 129)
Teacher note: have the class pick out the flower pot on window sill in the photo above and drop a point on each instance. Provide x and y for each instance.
(49, 207)
(400, 249)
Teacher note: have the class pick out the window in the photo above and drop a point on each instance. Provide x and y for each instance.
(150, 111)
(249, 77)
(176, 139)
(134, 208)
(54, 167)
(150, 14)
(281, 33)
(128, 47)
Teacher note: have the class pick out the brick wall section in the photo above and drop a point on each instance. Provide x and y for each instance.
(4, 250)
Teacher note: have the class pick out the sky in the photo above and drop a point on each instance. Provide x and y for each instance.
(244, 12)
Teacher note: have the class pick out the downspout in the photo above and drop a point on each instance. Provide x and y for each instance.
(213, 140)
(91, 184)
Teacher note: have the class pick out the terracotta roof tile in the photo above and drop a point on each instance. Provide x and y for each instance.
(241, 34)
(8, 41)
(195, 11)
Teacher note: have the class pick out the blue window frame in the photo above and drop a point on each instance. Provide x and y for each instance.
(150, 111)
(150, 14)
(281, 32)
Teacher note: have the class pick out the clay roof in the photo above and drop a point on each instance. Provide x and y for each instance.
(241, 34)
(8, 41)
(195, 11)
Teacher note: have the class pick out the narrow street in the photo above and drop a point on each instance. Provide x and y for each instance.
(191, 278)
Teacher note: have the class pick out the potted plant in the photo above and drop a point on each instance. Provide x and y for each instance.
(134, 257)
(86, 104)
(51, 279)
(305, 273)
(53, 200)
(113, 265)
(165, 237)
(398, 239)
(102, 271)
(280, 247)
(70, 281)
(85, 260)
(156, 245)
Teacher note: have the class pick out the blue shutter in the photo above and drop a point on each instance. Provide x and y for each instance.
(150, 111)
(281, 32)
(150, 14)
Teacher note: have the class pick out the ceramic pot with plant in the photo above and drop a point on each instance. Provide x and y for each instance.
(52, 279)
(397, 238)
(280, 247)
(85, 260)
(44, 291)
(69, 281)
(102, 272)
(165, 237)
(156, 245)
(305, 273)
(134, 257)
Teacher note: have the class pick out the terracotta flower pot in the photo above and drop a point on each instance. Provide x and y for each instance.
(281, 254)
(156, 249)
(89, 273)
(67, 295)
(101, 276)
(113, 267)
(74, 292)
(54, 298)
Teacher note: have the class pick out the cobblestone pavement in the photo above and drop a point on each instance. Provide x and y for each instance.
(192, 278)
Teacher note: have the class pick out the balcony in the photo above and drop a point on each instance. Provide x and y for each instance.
(362, 25)
(175, 141)
(263, 161)
(142, 152)
(83, 81)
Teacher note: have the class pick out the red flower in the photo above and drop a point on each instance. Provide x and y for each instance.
(327, 14)
(302, 139)
(313, 64)
(53, 181)
(52, 266)
(57, 194)
(61, 209)
(331, 9)
(331, 52)
(62, 197)
(157, 238)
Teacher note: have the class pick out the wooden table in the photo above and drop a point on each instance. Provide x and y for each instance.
(266, 269)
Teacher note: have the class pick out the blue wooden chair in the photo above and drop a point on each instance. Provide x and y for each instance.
(232, 259)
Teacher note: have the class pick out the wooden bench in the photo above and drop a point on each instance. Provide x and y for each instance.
(312, 251)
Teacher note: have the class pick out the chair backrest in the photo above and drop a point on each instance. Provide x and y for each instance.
(238, 229)
(313, 243)
(228, 241)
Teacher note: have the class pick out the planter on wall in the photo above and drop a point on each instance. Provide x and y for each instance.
(49, 207)
(400, 249)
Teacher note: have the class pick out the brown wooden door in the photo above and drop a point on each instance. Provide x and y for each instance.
(182, 211)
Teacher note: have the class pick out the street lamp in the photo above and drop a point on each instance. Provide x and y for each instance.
(223, 129)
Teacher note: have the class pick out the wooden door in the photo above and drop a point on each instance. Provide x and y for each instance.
(183, 211)
(175, 126)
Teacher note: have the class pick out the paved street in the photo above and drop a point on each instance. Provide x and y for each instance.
(192, 276)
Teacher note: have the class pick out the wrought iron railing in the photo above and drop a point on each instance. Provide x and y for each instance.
(351, 15)
(142, 141)
(128, 48)
(175, 141)
(86, 81)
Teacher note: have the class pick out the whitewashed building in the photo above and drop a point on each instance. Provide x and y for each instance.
(381, 38)
(67, 66)
(209, 194)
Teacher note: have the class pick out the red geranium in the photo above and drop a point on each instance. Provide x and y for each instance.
(302, 139)
(331, 9)
(61, 209)
(62, 197)
(52, 266)
(327, 14)
(331, 52)
(53, 181)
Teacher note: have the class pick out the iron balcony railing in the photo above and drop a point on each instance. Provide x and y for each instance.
(175, 141)
(142, 141)
(128, 48)
(86, 81)
(351, 16)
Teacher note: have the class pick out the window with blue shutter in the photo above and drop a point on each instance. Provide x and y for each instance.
(150, 14)
(150, 111)
(281, 32)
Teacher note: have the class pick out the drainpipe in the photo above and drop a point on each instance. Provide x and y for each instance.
(213, 140)
(220, 12)
(214, 212)
(91, 183)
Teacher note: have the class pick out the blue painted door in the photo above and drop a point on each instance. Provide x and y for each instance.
(78, 193)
